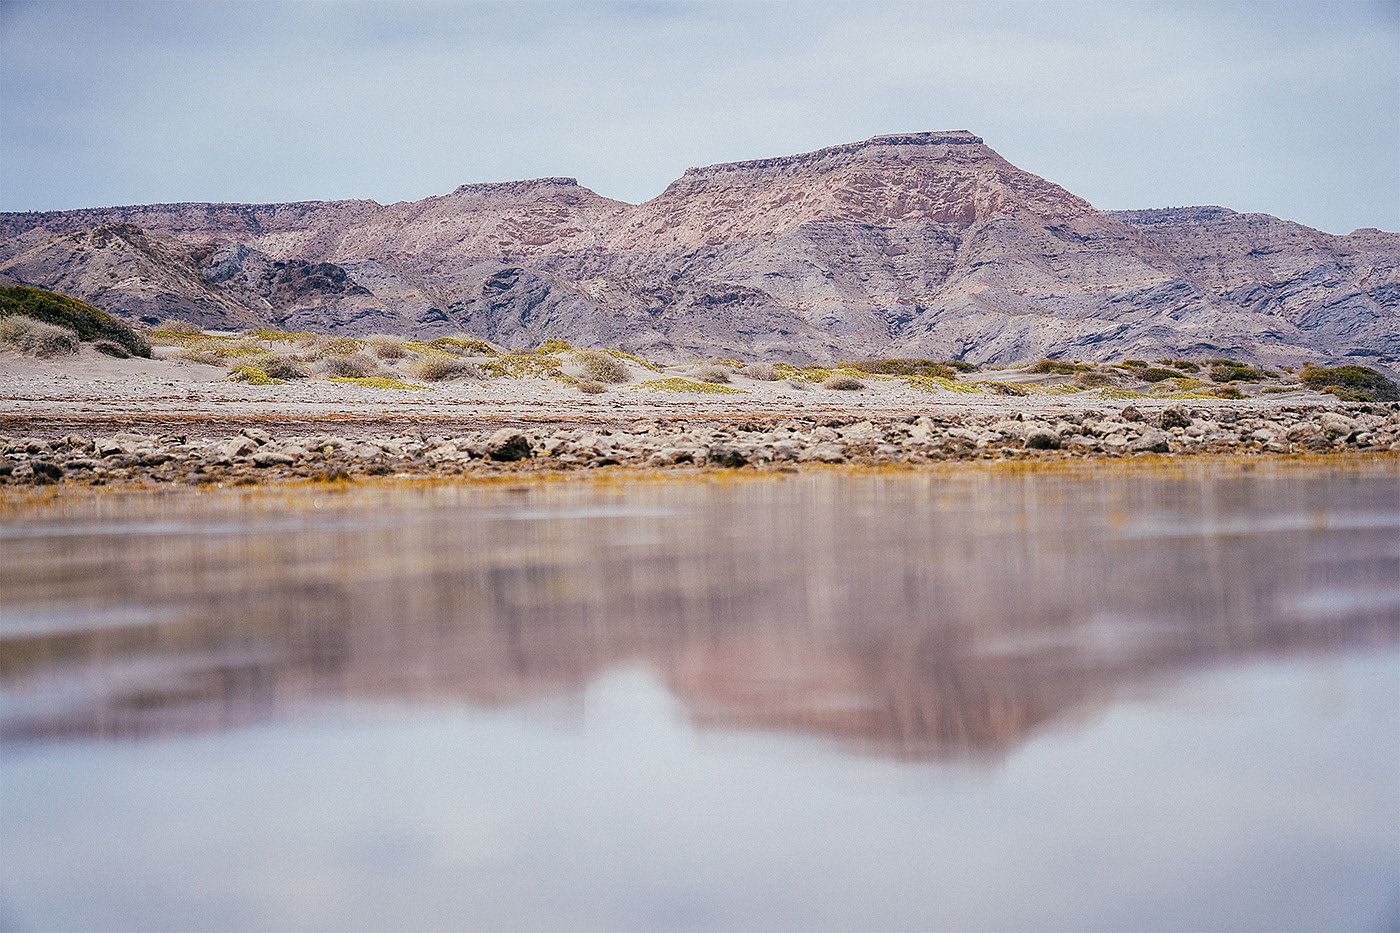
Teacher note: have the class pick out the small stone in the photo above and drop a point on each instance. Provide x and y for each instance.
(725, 456)
(826, 452)
(1153, 440)
(1043, 439)
(1132, 414)
(1175, 417)
(267, 458)
(508, 444)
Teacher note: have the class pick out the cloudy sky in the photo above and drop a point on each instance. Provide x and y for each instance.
(1288, 108)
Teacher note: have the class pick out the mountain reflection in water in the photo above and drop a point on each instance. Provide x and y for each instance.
(919, 616)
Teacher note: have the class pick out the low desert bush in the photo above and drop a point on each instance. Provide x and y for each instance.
(350, 365)
(439, 367)
(386, 347)
(910, 367)
(1093, 380)
(591, 387)
(763, 372)
(709, 372)
(1157, 374)
(35, 338)
(1356, 379)
(1237, 372)
(1058, 367)
(88, 322)
(279, 366)
(842, 382)
(111, 348)
(197, 356)
(554, 346)
(600, 366)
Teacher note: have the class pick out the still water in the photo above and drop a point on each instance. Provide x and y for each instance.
(1066, 699)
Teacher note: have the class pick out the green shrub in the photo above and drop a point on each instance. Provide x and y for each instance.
(906, 367)
(962, 366)
(1059, 367)
(1237, 372)
(1135, 364)
(554, 346)
(37, 338)
(88, 322)
(600, 366)
(1356, 378)
(464, 346)
(1157, 374)
(1185, 366)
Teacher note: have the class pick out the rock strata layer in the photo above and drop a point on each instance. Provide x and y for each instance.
(922, 244)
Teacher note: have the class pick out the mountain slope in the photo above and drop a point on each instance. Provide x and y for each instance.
(925, 244)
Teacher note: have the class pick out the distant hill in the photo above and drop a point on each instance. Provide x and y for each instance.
(926, 244)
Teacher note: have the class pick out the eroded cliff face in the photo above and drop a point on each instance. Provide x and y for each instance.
(925, 244)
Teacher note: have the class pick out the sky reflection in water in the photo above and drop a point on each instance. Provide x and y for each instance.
(973, 699)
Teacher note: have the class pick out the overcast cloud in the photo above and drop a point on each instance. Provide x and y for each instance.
(1288, 108)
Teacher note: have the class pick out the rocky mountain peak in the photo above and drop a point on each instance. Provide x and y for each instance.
(950, 179)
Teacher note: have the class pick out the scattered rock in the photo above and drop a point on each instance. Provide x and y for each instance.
(508, 444)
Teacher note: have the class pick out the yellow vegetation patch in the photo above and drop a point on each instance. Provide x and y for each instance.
(252, 376)
(676, 384)
(520, 365)
(375, 382)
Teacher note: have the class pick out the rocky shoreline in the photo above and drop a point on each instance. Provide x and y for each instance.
(244, 455)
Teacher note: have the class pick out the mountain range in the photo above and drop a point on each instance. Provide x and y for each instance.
(923, 244)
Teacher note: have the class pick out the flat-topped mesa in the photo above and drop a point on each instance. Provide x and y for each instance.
(941, 138)
(515, 187)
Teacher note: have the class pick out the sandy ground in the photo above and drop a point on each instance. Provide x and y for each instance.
(97, 392)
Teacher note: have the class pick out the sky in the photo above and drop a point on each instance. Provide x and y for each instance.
(1289, 108)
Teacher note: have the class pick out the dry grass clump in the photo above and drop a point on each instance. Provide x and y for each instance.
(348, 366)
(709, 372)
(763, 372)
(591, 387)
(842, 382)
(600, 366)
(386, 347)
(197, 356)
(35, 338)
(279, 366)
(1093, 379)
(439, 367)
(111, 348)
